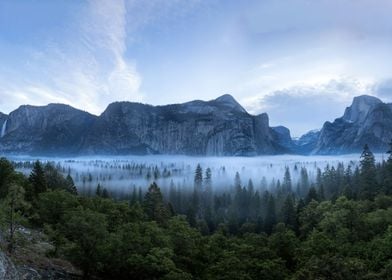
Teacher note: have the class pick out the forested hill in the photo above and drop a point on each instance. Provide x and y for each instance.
(338, 228)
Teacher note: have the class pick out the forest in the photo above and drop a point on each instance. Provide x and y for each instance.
(336, 227)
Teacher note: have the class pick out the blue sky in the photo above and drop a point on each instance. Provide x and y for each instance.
(301, 61)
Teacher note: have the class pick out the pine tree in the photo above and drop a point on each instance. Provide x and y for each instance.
(270, 218)
(154, 206)
(71, 185)
(198, 182)
(98, 190)
(37, 179)
(287, 186)
(289, 212)
(312, 195)
(208, 188)
(197, 190)
(304, 182)
(368, 183)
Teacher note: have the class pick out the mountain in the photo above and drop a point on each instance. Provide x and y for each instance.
(307, 142)
(220, 127)
(367, 121)
(53, 129)
(284, 139)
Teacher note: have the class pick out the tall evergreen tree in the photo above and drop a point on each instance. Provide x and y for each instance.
(368, 183)
(71, 185)
(37, 179)
(287, 185)
(198, 182)
(289, 213)
(312, 195)
(270, 218)
(154, 206)
(208, 188)
(305, 184)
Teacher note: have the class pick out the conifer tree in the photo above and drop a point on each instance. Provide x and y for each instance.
(312, 195)
(154, 206)
(71, 185)
(289, 213)
(368, 183)
(37, 179)
(304, 188)
(287, 186)
(270, 218)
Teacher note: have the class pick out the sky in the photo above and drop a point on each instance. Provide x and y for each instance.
(300, 61)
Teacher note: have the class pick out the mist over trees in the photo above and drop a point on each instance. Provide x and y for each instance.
(337, 226)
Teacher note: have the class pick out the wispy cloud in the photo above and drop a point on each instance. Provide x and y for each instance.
(87, 69)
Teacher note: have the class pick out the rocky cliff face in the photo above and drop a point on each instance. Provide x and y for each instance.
(307, 142)
(55, 128)
(283, 138)
(217, 127)
(367, 121)
(7, 268)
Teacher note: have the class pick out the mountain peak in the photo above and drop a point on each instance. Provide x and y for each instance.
(360, 108)
(229, 101)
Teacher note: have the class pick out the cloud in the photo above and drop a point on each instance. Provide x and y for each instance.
(302, 108)
(85, 66)
(383, 89)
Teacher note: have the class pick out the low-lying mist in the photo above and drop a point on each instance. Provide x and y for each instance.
(121, 175)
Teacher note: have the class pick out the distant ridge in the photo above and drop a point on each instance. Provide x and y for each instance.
(219, 127)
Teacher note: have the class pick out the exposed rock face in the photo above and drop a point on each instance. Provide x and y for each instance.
(217, 127)
(307, 142)
(7, 268)
(367, 121)
(48, 129)
(283, 137)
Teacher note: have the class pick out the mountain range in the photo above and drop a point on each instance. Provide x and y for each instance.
(219, 127)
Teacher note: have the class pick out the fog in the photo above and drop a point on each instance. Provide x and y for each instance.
(121, 174)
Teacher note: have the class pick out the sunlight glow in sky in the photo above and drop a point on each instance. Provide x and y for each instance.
(301, 61)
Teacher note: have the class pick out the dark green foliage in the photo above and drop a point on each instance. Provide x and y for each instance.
(7, 176)
(341, 228)
(270, 218)
(87, 234)
(153, 205)
(289, 213)
(287, 185)
(38, 179)
(368, 183)
(312, 195)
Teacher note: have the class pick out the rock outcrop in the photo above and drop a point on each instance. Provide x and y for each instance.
(367, 121)
(52, 129)
(8, 270)
(219, 127)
